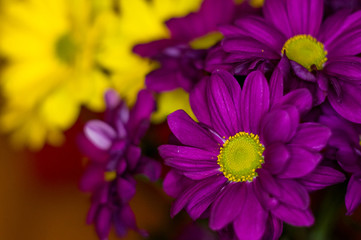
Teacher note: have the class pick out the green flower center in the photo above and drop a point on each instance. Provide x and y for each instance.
(305, 50)
(66, 49)
(240, 156)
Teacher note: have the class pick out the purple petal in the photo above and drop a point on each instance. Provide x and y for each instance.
(349, 104)
(279, 125)
(257, 28)
(112, 99)
(301, 162)
(347, 68)
(322, 177)
(305, 16)
(251, 221)
(174, 183)
(184, 152)
(190, 133)
(150, 168)
(141, 111)
(103, 222)
(223, 93)
(202, 199)
(302, 72)
(126, 189)
(185, 196)
(353, 194)
(312, 135)
(300, 98)
(249, 47)
(293, 194)
(162, 80)
(198, 102)
(274, 228)
(276, 156)
(228, 205)
(276, 84)
(254, 101)
(100, 134)
(294, 216)
(276, 13)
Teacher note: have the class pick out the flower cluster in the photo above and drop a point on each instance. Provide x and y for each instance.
(269, 102)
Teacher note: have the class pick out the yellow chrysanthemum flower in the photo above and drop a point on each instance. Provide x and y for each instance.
(56, 52)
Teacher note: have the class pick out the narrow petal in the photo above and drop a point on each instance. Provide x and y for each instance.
(312, 135)
(301, 162)
(198, 102)
(150, 168)
(103, 222)
(189, 132)
(274, 228)
(112, 99)
(228, 205)
(174, 151)
(347, 68)
(353, 194)
(293, 194)
(275, 12)
(223, 93)
(349, 104)
(251, 221)
(174, 183)
(100, 134)
(126, 189)
(255, 100)
(294, 216)
(243, 45)
(322, 177)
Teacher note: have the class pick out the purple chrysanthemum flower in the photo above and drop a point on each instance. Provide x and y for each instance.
(249, 163)
(182, 58)
(344, 146)
(112, 147)
(323, 53)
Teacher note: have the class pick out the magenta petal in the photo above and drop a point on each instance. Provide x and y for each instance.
(189, 132)
(228, 205)
(103, 222)
(347, 68)
(185, 196)
(276, 156)
(112, 99)
(125, 189)
(198, 102)
(255, 100)
(348, 105)
(223, 93)
(251, 221)
(305, 16)
(300, 98)
(353, 194)
(312, 135)
(293, 194)
(274, 228)
(202, 199)
(276, 13)
(279, 125)
(100, 134)
(301, 162)
(174, 183)
(150, 168)
(294, 216)
(322, 177)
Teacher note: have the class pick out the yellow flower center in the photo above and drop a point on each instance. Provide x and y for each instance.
(240, 156)
(66, 49)
(305, 50)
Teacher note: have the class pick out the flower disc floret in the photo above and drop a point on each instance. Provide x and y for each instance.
(305, 50)
(240, 156)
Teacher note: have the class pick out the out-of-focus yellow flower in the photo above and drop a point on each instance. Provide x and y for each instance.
(50, 49)
(139, 21)
(57, 51)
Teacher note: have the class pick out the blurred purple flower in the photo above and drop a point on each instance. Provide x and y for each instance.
(249, 163)
(344, 146)
(182, 65)
(112, 147)
(323, 54)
